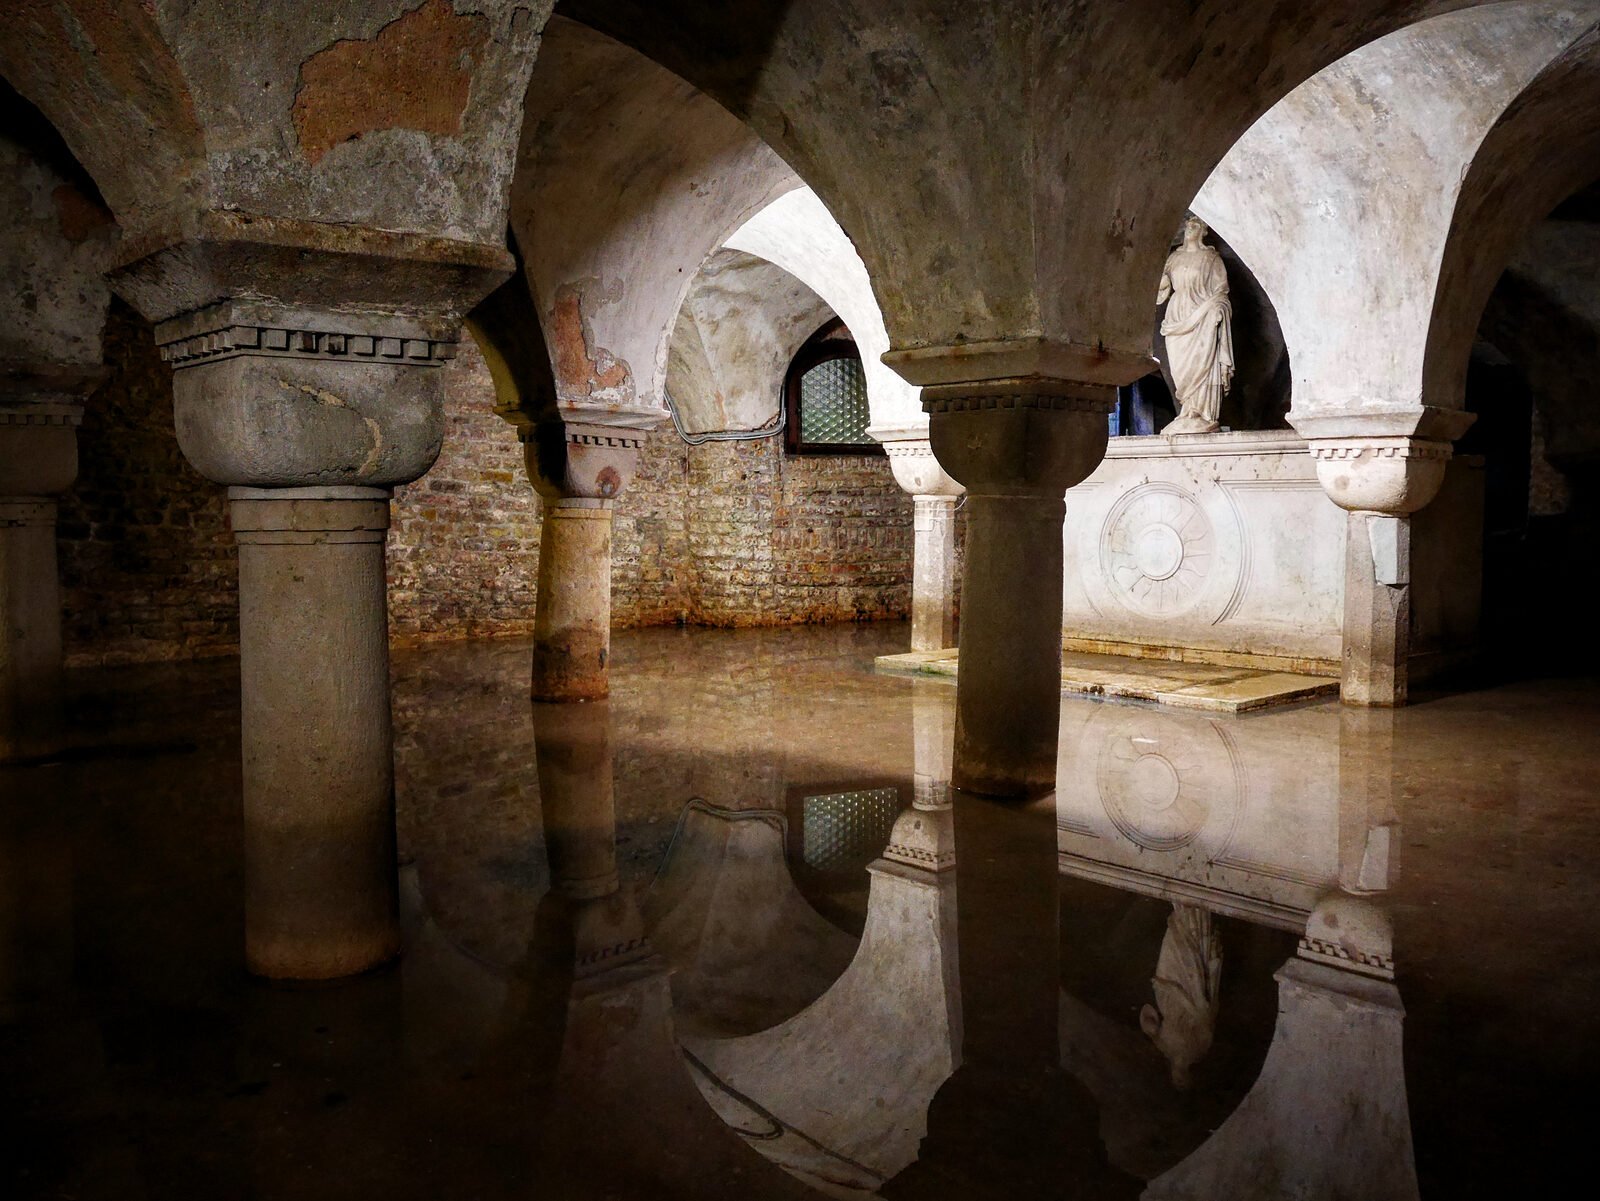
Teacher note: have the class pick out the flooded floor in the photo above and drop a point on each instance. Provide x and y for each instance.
(731, 935)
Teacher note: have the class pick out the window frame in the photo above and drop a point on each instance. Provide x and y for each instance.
(832, 341)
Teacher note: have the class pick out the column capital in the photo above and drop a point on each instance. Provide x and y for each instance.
(915, 467)
(578, 457)
(41, 407)
(1380, 458)
(1019, 437)
(1393, 476)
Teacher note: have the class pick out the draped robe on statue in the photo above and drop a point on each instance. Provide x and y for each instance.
(1199, 335)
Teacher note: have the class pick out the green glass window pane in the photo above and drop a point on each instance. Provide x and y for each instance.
(845, 831)
(833, 403)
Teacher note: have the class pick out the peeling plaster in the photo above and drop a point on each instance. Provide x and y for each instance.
(416, 73)
(583, 371)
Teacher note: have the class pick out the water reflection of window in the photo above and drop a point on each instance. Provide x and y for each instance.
(844, 831)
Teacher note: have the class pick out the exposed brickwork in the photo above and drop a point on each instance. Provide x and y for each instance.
(727, 534)
(464, 539)
(148, 565)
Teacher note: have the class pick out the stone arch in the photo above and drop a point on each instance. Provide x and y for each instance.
(1037, 218)
(1345, 195)
(735, 335)
(1543, 148)
(609, 266)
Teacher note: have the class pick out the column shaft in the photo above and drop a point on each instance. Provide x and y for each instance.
(933, 622)
(572, 625)
(30, 629)
(320, 875)
(1009, 685)
(1377, 610)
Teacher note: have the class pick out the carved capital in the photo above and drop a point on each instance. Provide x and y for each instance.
(1350, 933)
(236, 329)
(574, 459)
(1390, 475)
(924, 838)
(1024, 437)
(917, 470)
(271, 396)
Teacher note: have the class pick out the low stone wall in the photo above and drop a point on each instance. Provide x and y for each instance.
(1224, 548)
(727, 534)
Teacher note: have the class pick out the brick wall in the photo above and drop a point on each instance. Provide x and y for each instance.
(148, 566)
(728, 534)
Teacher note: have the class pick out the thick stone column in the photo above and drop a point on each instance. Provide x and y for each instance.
(38, 461)
(933, 574)
(1017, 445)
(578, 468)
(320, 884)
(1380, 467)
(311, 407)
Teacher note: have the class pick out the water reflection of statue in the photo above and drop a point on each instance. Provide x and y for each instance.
(1198, 328)
(1188, 975)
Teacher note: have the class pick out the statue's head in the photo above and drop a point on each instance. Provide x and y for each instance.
(1194, 229)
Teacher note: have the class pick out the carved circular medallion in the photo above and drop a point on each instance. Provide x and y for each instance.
(1157, 549)
(1163, 780)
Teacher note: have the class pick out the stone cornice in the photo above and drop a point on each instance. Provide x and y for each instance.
(41, 413)
(1045, 395)
(306, 264)
(1014, 358)
(1380, 421)
(228, 330)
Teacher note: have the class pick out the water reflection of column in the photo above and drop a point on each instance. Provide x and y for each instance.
(36, 929)
(1009, 1122)
(1328, 1116)
(933, 716)
(624, 1118)
(572, 745)
(1369, 816)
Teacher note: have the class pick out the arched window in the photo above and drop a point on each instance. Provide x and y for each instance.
(825, 397)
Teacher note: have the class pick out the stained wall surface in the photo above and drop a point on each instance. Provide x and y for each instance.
(727, 534)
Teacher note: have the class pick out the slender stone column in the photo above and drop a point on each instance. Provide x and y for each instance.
(1377, 610)
(933, 574)
(933, 577)
(1017, 445)
(320, 886)
(572, 624)
(1380, 480)
(38, 461)
(578, 468)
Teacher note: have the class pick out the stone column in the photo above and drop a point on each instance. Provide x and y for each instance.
(311, 406)
(1380, 468)
(39, 416)
(933, 575)
(320, 884)
(579, 468)
(1017, 445)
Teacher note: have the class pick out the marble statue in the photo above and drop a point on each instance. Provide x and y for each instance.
(1188, 976)
(1198, 328)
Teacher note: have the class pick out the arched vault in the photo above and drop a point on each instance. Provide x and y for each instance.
(797, 233)
(1010, 172)
(740, 326)
(627, 179)
(1379, 201)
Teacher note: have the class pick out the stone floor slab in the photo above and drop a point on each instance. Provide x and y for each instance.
(1183, 685)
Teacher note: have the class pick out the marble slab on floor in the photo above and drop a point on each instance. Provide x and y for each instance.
(1183, 685)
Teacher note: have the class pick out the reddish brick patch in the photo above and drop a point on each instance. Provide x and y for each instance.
(415, 74)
